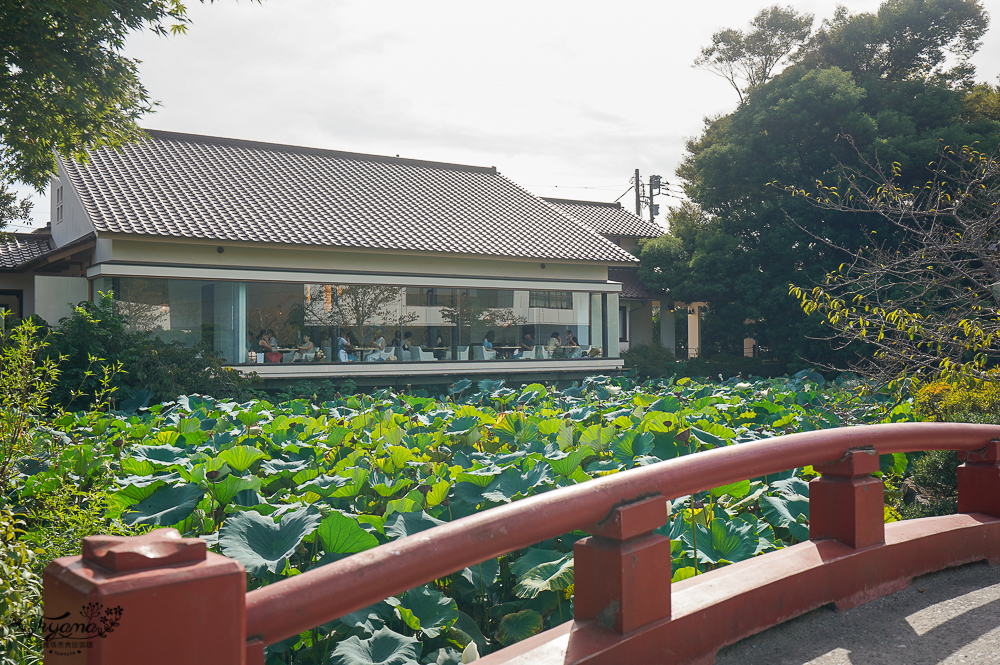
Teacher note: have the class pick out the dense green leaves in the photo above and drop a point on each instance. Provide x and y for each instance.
(519, 626)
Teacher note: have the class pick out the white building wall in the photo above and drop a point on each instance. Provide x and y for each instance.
(55, 297)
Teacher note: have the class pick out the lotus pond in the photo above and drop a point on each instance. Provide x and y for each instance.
(284, 488)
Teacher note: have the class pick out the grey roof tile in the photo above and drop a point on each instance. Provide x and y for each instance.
(609, 219)
(19, 248)
(182, 185)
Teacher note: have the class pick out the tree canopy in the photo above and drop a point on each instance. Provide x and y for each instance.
(747, 59)
(740, 241)
(64, 84)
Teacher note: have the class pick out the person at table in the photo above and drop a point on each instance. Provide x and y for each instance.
(570, 340)
(554, 346)
(272, 355)
(488, 342)
(527, 345)
(263, 343)
(345, 350)
(378, 340)
(395, 340)
(440, 352)
(305, 351)
(407, 341)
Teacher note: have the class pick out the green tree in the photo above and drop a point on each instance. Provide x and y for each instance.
(751, 240)
(747, 59)
(905, 39)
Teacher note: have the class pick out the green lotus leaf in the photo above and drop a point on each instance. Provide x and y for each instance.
(461, 425)
(400, 525)
(532, 557)
(241, 458)
(551, 576)
(161, 456)
(323, 485)
(166, 506)
(482, 574)
(343, 535)
(385, 647)
(427, 610)
(730, 541)
(227, 490)
(519, 626)
(785, 513)
(277, 466)
(260, 543)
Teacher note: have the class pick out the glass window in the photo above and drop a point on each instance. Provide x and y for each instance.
(622, 323)
(192, 312)
(551, 299)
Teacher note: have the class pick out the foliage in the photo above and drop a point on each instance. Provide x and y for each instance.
(935, 486)
(287, 487)
(738, 243)
(926, 301)
(650, 360)
(25, 385)
(65, 85)
(937, 32)
(964, 400)
(100, 353)
(20, 595)
(11, 210)
(746, 60)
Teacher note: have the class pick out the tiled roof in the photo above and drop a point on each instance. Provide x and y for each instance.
(19, 248)
(182, 185)
(632, 288)
(609, 219)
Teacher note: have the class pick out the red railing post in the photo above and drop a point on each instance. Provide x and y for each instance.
(846, 503)
(979, 480)
(156, 599)
(622, 572)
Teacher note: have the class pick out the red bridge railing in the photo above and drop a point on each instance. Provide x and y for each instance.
(625, 609)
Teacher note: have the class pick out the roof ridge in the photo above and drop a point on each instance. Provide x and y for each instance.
(322, 152)
(551, 199)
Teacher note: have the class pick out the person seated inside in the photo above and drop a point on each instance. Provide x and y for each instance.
(554, 346)
(488, 342)
(378, 340)
(345, 350)
(570, 340)
(395, 340)
(263, 343)
(527, 346)
(304, 352)
(272, 355)
(407, 343)
(440, 350)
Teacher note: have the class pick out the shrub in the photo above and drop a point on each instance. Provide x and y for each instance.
(965, 401)
(650, 361)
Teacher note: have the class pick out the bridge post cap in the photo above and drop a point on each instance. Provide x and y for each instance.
(162, 547)
(990, 454)
(633, 519)
(854, 464)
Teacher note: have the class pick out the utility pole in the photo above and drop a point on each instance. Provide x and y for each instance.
(638, 194)
(654, 189)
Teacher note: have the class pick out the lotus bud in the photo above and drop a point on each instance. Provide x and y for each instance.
(118, 443)
(470, 653)
(212, 475)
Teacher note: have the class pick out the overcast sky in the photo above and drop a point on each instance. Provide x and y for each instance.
(565, 98)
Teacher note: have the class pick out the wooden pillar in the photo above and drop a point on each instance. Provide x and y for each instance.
(694, 330)
(622, 572)
(156, 599)
(979, 480)
(846, 503)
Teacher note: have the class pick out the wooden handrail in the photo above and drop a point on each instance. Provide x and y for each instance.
(288, 607)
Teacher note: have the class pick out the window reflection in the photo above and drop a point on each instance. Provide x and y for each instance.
(265, 322)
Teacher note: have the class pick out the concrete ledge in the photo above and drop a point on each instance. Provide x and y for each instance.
(395, 373)
(726, 605)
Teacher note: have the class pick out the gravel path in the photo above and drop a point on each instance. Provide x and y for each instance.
(945, 618)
